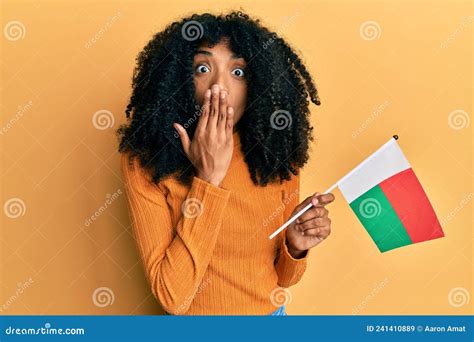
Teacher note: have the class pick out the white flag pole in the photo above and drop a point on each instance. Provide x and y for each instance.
(302, 211)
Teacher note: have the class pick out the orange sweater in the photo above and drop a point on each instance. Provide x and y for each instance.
(205, 249)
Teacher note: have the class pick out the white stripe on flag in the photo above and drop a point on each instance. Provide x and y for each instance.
(382, 164)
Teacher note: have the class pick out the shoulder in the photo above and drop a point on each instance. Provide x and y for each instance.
(138, 176)
(128, 163)
(293, 181)
(291, 187)
(132, 170)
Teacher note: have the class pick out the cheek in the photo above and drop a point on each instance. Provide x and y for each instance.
(200, 89)
(239, 96)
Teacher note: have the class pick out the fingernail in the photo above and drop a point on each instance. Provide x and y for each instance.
(315, 201)
(223, 94)
(208, 93)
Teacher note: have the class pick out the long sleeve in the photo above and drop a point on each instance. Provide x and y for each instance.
(175, 260)
(289, 269)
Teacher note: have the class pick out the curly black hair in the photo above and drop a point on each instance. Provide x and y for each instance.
(278, 85)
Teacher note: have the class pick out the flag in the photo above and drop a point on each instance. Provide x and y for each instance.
(389, 201)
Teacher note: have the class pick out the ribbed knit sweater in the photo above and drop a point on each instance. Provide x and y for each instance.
(205, 248)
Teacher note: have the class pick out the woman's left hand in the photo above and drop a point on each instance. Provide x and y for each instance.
(312, 227)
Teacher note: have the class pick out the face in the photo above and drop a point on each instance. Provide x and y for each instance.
(219, 65)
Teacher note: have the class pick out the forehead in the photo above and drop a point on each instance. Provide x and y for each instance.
(221, 49)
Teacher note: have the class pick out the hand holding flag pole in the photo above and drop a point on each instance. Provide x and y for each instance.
(388, 200)
(302, 211)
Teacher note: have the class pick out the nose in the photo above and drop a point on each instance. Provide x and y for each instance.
(221, 80)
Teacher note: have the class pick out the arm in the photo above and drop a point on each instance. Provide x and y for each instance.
(290, 268)
(174, 263)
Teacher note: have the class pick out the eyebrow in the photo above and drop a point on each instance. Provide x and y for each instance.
(209, 53)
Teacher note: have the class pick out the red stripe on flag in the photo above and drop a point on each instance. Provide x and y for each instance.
(408, 199)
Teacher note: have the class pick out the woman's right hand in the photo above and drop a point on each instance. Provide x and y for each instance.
(211, 149)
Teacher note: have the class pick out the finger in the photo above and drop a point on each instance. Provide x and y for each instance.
(222, 110)
(308, 215)
(318, 222)
(202, 123)
(321, 233)
(312, 232)
(229, 126)
(313, 213)
(325, 199)
(303, 204)
(183, 136)
(214, 112)
(300, 207)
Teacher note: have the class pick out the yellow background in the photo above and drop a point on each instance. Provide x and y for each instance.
(77, 58)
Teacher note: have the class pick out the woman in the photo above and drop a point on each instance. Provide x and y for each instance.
(211, 159)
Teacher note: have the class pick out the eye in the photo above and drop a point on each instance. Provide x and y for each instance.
(201, 68)
(239, 72)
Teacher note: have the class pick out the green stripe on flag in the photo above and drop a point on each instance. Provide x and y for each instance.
(380, 220)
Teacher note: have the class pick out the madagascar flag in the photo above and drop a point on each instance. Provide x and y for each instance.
(389, 201)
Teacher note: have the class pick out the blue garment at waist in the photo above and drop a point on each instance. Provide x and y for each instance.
(279, 312)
